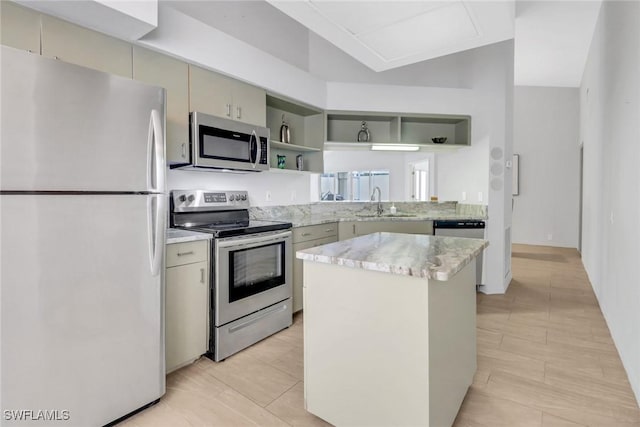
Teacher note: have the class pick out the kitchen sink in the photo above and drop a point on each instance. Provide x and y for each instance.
(385, 215)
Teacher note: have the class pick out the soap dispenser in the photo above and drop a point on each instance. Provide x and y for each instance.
(392, 209)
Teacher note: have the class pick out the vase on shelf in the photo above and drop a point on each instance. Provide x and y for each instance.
(285, 134)
(364, 135)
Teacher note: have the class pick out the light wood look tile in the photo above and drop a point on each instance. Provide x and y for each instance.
(545, 358)
(549, 420)
(290, 407)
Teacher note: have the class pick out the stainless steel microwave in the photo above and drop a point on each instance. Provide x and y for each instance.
(220, 143)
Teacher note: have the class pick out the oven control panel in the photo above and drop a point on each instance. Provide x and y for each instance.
(194, 200)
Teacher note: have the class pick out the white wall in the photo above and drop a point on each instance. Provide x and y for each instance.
(286, 188)
(610, 130)
(187, 38)
(546, 125)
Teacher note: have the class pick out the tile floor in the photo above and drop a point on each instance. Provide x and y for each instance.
(545, 358)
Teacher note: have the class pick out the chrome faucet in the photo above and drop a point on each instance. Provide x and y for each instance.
(379, 209)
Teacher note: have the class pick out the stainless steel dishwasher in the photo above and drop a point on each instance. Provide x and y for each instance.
(472, 229)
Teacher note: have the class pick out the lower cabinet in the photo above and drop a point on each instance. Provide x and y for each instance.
(350, 229)
(186, 303)
(305, 238)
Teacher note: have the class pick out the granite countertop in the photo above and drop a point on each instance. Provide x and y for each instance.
(418, 255)
(303, 221)
(175, 235)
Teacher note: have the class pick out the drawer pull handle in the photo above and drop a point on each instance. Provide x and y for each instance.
(185, 253)
(306, 234)
(228, 110)
(328, 230)
(184, 150)
(202, 275)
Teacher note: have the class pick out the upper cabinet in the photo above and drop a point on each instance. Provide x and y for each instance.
(71, 43)
(344, 129)
(221, 96)
(173, 75)
(305, 126)
(20, 27)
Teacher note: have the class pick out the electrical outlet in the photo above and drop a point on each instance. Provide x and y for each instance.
(549, 236)
(464, 196)
(479, 196)
(293, 195)
(267, 196)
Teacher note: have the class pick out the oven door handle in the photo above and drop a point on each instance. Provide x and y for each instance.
(253, 241)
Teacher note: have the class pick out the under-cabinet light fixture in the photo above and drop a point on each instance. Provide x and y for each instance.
(394, 147)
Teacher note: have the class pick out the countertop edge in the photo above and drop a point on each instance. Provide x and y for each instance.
(175, 235)
(436, 269)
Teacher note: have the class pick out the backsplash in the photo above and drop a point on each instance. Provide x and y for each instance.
(332, 209)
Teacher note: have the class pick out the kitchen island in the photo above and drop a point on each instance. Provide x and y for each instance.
(389, 327)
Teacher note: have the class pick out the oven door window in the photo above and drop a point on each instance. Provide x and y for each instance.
(225, 145)
(255, 270)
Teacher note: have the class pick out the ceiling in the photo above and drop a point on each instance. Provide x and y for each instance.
(552, 38)
(386, 34)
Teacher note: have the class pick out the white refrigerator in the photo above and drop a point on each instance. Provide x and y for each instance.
(82, 235)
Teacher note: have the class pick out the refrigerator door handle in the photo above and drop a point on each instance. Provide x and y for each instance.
(155, 229)
(155, 159)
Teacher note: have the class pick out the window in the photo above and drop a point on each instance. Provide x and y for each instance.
(420, 181)
(354, 185)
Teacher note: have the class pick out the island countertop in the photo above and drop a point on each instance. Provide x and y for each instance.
(418, 255)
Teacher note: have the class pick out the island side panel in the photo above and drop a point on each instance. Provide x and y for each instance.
(452, 343)
(366, 346)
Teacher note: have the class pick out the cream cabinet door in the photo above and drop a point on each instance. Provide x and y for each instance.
(249, 104)
(186, 313)
(221, 96)
(173, 75)
(298, 268)
(210, 92)
(77, 45)
(346, 230)
(20, 27)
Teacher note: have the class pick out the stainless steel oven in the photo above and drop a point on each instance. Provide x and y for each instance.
(252, 289)
(251, 272)
(251, 284)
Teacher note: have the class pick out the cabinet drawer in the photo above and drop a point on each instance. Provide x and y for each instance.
(187, 253)
(312, 232)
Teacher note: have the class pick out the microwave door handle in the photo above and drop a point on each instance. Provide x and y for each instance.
(254, 148)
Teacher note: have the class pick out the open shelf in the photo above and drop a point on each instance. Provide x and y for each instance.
(293, 147)
(389, 128)
(306, 127)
